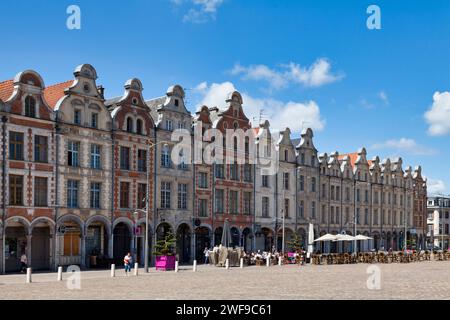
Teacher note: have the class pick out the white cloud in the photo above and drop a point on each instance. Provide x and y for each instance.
(201, 11)
(316, 75)
(435, 186)
(383, 96)
(280, 114)
(405, 146)
(261, 72)
(438, 116)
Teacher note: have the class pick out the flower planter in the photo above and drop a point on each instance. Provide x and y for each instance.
(165, 263)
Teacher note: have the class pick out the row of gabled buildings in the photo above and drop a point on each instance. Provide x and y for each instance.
(81, 172)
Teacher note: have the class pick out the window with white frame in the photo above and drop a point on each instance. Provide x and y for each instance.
(182, 196)
(72, 153)
(95, 156)
(165, 195)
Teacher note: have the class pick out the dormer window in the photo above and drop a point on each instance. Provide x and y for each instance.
(134, 101)
(129, 124)
(177, 103)
(139, 126)
(286, 155)
(30, 107)
(77, 117)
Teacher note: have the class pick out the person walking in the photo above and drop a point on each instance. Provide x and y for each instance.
(23, 263)
(206, 252)
(127, 261)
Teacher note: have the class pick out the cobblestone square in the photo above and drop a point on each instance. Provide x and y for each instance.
(424, 280)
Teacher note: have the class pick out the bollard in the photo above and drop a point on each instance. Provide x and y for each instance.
(195, 266)
(242, 263)
(176, 266)
(113, 270)
(136, 269)
(28, 275)
(227, 264)
(268, 261)
(60, 271)
(279, 261)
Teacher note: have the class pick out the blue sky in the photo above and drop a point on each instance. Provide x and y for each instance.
(311, 63)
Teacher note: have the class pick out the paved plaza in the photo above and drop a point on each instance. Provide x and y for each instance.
(424, 280)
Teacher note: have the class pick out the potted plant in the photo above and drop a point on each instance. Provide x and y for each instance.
(165, 253)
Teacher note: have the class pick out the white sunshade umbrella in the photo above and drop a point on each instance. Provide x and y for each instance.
(327, 237)
(362, 237)
(344, 237)
(310, 238)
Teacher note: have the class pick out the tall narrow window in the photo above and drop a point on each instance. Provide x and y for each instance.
(265, 207)
(77, 117)
(72, 194)
(142, 160)
(313, 184)
(302, 183)
(265, 181)
(302, 209)
(40, 192)
(30, 107)
(182, 196)
(248, 173)
(15, 190)
(286, 180)
(124, 195)
(95, 156)
(220, 171)
(72, 153)
(234, 171)
(247, 203)
(129, 125)
(139, 126)
(169, 125)
(94, 120)
(142, 196)
(15, 145)
(203, 180)
(202, 207)
(165, 195)
(219, 196)
(95, 195)
(165, 157)
(124, 158)
(286, 208)
(40, 149)
(234, 207)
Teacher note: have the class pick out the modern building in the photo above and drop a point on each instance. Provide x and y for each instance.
(438, 222)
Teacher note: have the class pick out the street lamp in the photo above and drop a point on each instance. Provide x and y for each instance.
(147, 202)
(136, 217)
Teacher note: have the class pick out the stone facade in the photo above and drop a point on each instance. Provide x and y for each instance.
(81, 174)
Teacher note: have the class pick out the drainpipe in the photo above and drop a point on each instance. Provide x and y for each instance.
(254, 208)
(155, 183)
(193, 198)
(213, 204)
(113, 172)
(276, 212)
(55, 231)
(4, 120)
